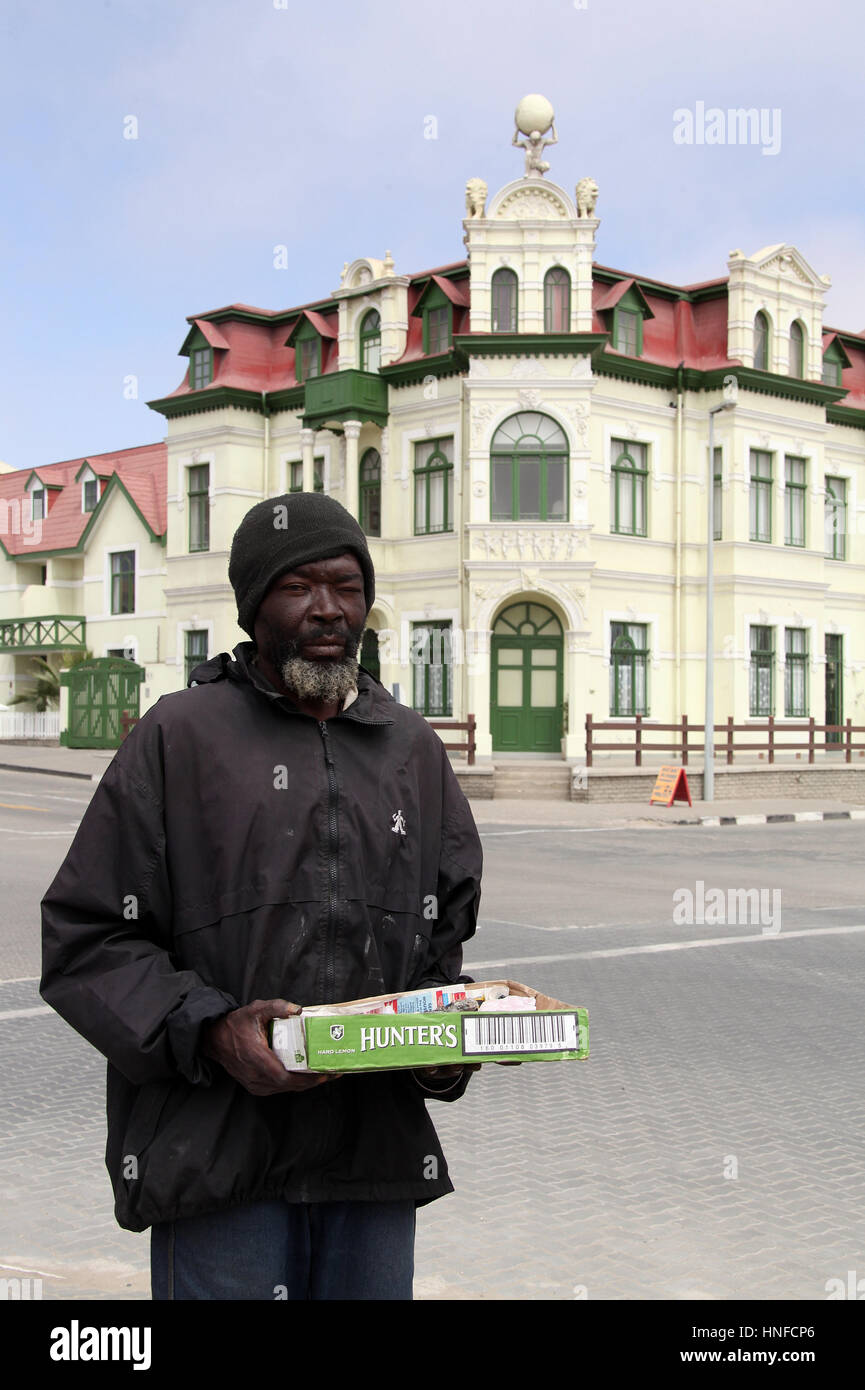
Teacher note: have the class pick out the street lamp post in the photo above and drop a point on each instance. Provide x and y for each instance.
(709, 733)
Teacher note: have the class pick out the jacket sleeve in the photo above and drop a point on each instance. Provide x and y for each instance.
(457, 903)
(106, 928)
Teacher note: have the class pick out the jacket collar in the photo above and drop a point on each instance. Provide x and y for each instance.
(373, 704)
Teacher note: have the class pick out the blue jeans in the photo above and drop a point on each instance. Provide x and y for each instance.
(287, 1250)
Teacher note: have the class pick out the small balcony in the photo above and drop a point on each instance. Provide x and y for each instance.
(348, 395)
(58, 633)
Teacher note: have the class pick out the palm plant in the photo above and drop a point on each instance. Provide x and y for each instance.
(45, 694)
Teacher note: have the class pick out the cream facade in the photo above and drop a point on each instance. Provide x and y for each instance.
(589, 595)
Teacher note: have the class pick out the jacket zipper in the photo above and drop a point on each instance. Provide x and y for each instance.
(327, 974)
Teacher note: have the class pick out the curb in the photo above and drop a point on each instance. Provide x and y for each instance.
(51, 771)
(782, 818)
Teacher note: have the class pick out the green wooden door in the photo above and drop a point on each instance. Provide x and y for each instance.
(99, 693)
(834, 684)
(527, 681)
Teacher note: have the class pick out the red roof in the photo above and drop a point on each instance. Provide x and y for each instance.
(142, 471)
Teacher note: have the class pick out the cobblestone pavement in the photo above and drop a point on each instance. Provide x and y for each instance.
(710, 1147)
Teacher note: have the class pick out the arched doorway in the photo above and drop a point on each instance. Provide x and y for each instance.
(527, 680)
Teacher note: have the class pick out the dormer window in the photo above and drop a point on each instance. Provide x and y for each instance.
(835, 360)
(200, 368)
(624, 307)
(370, 342)
(626, 333)
(761, 342)
(37, 504)
(437, 329)
(91, 494)
(307, 352)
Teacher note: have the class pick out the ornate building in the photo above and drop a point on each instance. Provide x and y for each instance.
(524, 436)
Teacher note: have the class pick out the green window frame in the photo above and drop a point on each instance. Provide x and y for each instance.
(760, 496)
(629, 669)
(370, 341)
(123, 581)
(432, 663)
(90, 494)
(433, 486)
(718, 497)
(796, 672)
(200, 367)
(834, 683)
(198, 497)
(307, 353)
(370, 493)
(529, 469)
(37, 504)
(629, 475)
(295, 474)
(761, 342)
(557, 300)
(437, 329)
(761, 674)
(796, 364)
(628, 331)
(194, 651)
(834, 362)
(835, 518)
(504, 292)
(795, 500)
(831, 372)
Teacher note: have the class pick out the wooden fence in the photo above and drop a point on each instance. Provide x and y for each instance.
(689, 738)
(468, 746)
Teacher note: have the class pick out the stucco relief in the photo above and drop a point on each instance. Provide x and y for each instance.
(481, 416)
(479, 369)
(532, 203)
(581, 369)
(524, 543)
(530, 399)
(479, 489)
(531, 368)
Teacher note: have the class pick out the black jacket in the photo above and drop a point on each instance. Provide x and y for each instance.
(234, 850)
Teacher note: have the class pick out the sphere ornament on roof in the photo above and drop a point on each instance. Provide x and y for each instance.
(534, 118)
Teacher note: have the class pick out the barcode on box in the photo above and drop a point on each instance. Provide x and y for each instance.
(520, 1033)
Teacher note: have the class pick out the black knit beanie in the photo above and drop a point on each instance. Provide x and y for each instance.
(283, 532)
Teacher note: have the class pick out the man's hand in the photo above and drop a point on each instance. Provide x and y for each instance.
(238, 1042)
(442, 1072)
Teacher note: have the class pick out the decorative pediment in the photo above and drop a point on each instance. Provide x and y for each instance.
(531, 200)
(788, 263)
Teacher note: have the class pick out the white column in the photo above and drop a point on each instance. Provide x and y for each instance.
(307, 453)
(478, 660)
(352, 471)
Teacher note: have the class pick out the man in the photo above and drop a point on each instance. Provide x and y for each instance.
(281, 833)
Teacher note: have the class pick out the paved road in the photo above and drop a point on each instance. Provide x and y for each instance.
(710, 1148)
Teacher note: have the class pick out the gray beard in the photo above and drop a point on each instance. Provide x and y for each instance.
(319, 682)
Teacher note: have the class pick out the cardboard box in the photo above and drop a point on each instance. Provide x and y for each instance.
(550, 1032)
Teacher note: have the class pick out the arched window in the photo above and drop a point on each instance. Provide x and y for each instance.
(370, 342)
(629, 664)
(629, 476)
(504, 293)
(761, 342)
(557, 301)
(370, 492)
(529, 469)
(797, 350)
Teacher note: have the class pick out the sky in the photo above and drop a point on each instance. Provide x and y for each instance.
(156, 153)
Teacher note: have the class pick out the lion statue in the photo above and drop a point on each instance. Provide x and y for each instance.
(476, 198)
(587, 196)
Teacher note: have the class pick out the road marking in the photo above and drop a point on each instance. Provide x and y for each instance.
(563, 829)
(22, 980)
(25, 1013)
(37, 834)
(49, 796)
(660, 946)
(568, 926)
(17, 806)
(31, 1269)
